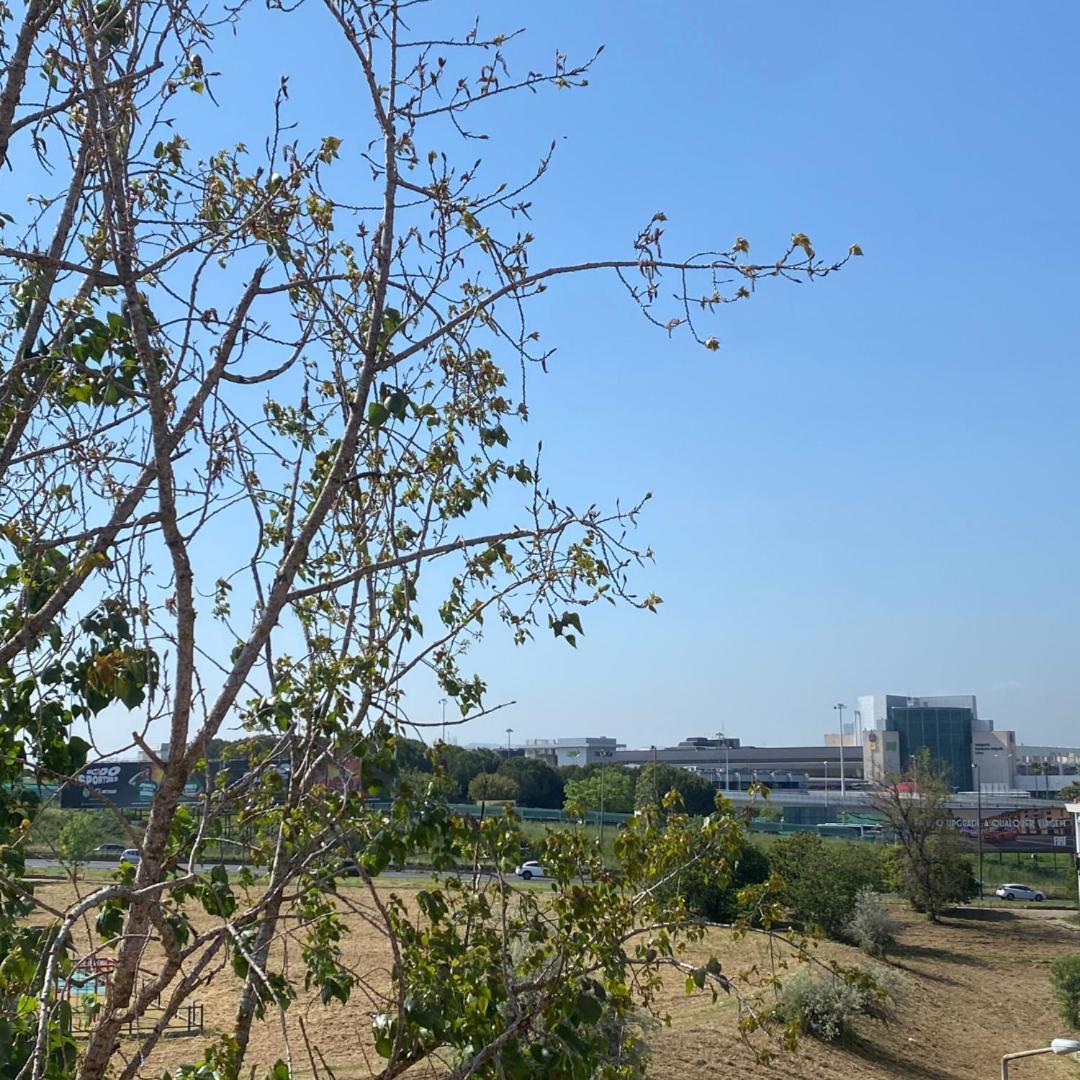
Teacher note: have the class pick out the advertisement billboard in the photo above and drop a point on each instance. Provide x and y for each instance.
(121, 783)
(133, 784)
(1030, 829)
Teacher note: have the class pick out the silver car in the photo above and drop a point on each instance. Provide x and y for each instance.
(1018, 892)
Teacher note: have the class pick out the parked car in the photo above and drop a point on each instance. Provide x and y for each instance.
(335, 868)
(529, 869)
(999, 836)
(1019, 892)
(108, 851)
(130, 855)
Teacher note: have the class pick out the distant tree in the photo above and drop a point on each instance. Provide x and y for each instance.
(655, 781)
(950, 870)
(538, 783)
(462, 765)
(492, 787)
(426, 784)
(822, 880)
(1070, 792)
(413, 754)
(929, 867)
(769, 811)
(78, 836)
(615, 790)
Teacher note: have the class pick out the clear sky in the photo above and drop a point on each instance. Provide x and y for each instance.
(872, 485)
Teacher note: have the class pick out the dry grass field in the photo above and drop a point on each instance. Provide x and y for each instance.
(976, 987)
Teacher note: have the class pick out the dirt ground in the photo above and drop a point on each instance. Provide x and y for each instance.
(974, 987)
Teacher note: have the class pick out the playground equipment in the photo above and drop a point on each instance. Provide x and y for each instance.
(89, 983)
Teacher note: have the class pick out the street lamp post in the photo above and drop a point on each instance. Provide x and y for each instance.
(1074, 809)
(603, 755)
(1057, 1046)
(442, 702)
(978, 822)
(840, 709)
(826, 764)
(727, 764)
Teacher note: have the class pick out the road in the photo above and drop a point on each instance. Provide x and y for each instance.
(53, 866)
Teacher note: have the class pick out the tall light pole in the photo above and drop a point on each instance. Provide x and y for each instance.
(509, 732)
(442, 702)
(727, 764)
(826, 764)
(1074, 809)
(978, 823)
(603, 755)
(840, 709)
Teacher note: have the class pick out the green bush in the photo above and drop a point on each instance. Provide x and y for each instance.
(871, 926)
(1065, 978)
(822, 879)
(716, 899)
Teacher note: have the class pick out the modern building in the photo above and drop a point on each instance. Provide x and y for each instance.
(896, 728)
(586, 750)
(1045, 770)
(888, 731)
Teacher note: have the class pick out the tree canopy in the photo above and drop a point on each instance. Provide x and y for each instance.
(538, 783)
(612, 788)
(493, 786)
(698, 795)
(262, 401)
(929, 866)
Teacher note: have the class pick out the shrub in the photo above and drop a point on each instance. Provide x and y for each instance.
(822, 880)
(825, 1006)
(871, 926)
(718, 900)
(1065, 978)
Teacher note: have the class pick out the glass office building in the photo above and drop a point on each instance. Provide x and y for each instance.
(943, 731)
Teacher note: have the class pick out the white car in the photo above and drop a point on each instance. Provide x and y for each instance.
(529, 869)
(131, 855)
(1018, 892)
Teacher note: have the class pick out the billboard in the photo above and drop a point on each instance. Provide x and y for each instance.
(120, 783)
(133, 784)
(1031, 829)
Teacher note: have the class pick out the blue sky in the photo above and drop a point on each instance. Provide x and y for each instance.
(871, 486)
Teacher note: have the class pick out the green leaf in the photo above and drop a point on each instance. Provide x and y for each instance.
(587, 1008)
